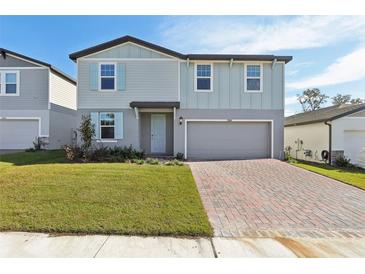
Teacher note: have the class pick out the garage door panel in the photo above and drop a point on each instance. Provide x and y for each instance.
(228, 140)
(18, 134)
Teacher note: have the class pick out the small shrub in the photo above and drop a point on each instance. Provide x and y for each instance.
(343, 161)
(127, 153)
(169, 163)
(73, 153)
(87, 132)
(138, 161)
(180, 156)
(100, 154)
(31, 149)
(178, 163)
(152, 161)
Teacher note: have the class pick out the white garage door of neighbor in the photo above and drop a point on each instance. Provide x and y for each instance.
(210, 140)
(18, 134)
(354, 144)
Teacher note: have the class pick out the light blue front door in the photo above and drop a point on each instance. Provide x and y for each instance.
(158, 133)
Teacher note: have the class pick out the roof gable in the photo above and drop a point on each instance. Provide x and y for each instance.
(128, 50)
(166, 51)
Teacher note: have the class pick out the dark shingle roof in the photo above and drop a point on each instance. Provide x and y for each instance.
(127, 38)
(323, 114)
(57, 71)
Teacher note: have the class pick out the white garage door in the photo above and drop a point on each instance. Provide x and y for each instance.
(210, 140)
(18, 134)
(354, 144)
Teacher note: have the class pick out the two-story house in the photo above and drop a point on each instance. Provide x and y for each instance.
(206, 106)
(36, 101)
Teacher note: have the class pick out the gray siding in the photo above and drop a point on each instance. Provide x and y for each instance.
(145, 81)
(128, 50)
(33, 91)
(145, 126)
(130, 127)
(10, 61)
(276, 115)
(61, 127)
(228, 88)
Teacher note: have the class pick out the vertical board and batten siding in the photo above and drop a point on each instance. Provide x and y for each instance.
(144, 81)
(128, 50)
(228, 88)
(62, 92)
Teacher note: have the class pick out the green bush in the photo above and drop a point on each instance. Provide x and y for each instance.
(138, 161)
(343, 161)
(31, 149)
(173, 163)
(180, 156)
(152, 161)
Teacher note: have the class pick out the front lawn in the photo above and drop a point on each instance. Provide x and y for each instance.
(352, 176)
(40, 191)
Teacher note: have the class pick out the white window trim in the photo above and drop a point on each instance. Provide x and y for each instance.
(3, 83)
(115, 76)
(261, 78)
(100, 126)
(196, 77)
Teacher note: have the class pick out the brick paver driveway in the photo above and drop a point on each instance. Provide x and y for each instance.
(268, 198)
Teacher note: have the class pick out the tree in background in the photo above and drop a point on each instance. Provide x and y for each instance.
(340, 99)
(312, 99)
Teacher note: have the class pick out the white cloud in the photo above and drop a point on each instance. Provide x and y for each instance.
(258, 34)
(291, 100)
(289, 112)
(350, 67)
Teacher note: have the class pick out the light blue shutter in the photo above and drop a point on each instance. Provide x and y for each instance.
(95, 121)
(121, 76)
(119, 125)
(93, 76)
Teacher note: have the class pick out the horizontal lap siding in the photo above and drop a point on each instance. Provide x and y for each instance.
(145, 81)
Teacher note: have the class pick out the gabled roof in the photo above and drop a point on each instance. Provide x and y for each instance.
(4, 52)
(227, 57)
(322, 115)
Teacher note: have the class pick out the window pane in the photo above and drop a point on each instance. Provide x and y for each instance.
(107, 70)
(10, 77)
(203, 83)
(107, 119)
(253, 71)
(203, 70)
(107, 133)
(107, 83)
(253, 84)
(10, 88)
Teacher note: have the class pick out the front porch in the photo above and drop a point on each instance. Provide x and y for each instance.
(156, 127)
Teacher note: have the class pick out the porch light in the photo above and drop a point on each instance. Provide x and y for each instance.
(181, 120)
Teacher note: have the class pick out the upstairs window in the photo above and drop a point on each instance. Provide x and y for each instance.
(9, 83)
(203, 77)
(107, 125)
(107, 77)
(253, 78)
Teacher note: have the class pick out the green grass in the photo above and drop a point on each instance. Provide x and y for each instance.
(40, 191)
(352, 176)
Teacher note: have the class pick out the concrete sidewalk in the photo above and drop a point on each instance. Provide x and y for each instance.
(20, 244)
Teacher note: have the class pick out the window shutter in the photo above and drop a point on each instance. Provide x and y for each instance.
(121, 76)
(119, 125)
(95, 121)
(94, 76)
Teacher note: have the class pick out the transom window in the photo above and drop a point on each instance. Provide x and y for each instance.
(203, 76)
(9, 83)
(107, 125)
(107, 76)
(253, 78)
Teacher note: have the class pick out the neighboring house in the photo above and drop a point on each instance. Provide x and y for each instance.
(36, 101)
(336, 129)
(206, 106)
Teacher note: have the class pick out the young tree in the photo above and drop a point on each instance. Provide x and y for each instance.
(340, 99)
(312, 99)
(87, 132)
(357, 101)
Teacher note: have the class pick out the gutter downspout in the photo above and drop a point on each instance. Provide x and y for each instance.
(329, 142)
